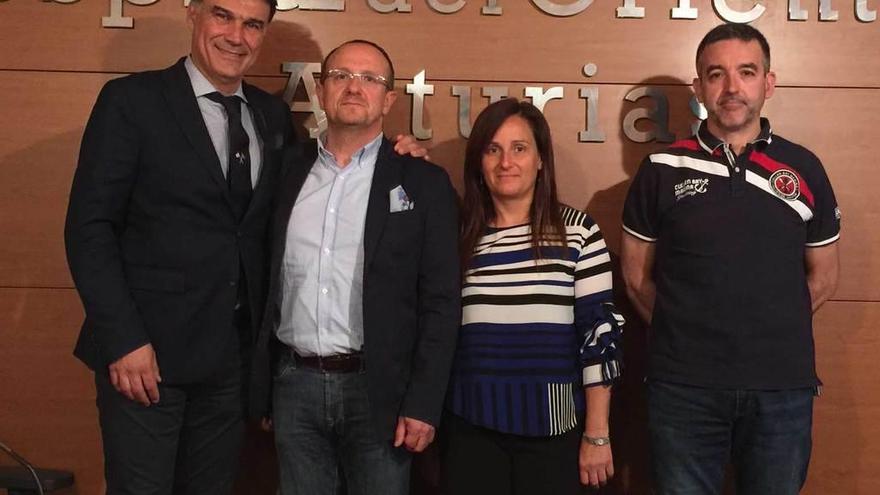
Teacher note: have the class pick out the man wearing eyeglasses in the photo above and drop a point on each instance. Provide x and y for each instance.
(364, 293)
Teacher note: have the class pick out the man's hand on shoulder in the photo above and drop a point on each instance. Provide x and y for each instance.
(136, 375)
(414, 434)
(407, 145)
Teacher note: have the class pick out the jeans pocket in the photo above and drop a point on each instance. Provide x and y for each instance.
(285, 365)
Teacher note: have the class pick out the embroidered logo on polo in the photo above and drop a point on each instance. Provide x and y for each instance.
(690, 187)
(785, 184)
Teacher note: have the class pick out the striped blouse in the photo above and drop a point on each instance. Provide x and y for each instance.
(535, 332)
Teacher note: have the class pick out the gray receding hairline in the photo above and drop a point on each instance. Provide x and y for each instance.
(273, 6)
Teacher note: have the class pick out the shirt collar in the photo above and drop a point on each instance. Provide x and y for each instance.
(201, 85)
(363, 156)
(710, 143)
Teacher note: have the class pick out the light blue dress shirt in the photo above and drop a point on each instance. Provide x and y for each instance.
(215, 120)
(323, 267)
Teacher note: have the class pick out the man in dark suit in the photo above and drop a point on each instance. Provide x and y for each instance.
(364, 297)
(165, 239)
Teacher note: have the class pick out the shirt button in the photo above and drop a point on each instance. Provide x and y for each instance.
(324, 290)
(332, 210)
(737, 169)
(326, 250)
(232, 283)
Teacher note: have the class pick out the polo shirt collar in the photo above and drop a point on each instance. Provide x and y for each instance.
(710, 143)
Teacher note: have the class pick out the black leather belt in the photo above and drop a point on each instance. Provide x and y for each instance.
(336, 363)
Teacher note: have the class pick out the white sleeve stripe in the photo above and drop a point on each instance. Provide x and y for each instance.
(681, 161)
(636, 234)
(825, 242)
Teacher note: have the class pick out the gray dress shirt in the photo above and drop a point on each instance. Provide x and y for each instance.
(215, 119)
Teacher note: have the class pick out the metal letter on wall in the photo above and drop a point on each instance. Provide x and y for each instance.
(332, 5)
(659, 115)
(396, 5)
(795, 12)
(540, 97)
(446, 8)
(684, 10)
(116, 19)
(492, 8)
(629, 9)
(730, 15)
(464, 109)
(419, 89)
(863, 14)
(304, 72)
(826, 11)
(592, 134)
(554, 8)
(495, 93)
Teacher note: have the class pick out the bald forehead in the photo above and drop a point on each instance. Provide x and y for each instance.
(359, 50)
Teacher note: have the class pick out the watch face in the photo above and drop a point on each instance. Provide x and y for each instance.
(598, 441)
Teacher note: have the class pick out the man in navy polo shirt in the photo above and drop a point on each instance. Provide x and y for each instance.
(730, 246)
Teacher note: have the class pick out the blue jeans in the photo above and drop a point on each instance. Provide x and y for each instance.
(696, 431)
(325, 436)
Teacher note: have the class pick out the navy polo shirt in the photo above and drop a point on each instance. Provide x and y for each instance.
(733, 309)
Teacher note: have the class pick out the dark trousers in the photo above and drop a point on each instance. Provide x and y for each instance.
(477, 461)
(186, 444)
(696, 431)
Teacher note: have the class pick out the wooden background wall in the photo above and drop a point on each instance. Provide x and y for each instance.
(54, 57)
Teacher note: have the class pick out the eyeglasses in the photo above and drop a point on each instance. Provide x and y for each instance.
(343, 76)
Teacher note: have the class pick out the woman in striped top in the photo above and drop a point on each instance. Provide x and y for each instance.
(539, 342)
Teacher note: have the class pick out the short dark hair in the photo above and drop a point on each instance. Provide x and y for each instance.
(734, 31)
(273, 5)
(477, 206)
(361, 42)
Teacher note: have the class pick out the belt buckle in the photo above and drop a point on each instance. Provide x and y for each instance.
(339, 363)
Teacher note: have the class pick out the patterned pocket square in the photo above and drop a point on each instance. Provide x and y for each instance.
(399, 200)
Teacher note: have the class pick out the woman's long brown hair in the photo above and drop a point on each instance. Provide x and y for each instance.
(477, 208)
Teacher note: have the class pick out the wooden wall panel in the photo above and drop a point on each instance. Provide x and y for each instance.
(56, 57)
(48, 410)
(846, 423)
(516, 46)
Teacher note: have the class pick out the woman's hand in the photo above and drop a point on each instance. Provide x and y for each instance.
(595, 463)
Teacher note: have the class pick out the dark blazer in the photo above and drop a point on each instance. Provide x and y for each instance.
(412, 298)
(152, 242)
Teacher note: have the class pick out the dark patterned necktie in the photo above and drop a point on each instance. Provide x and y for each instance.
(238, 174)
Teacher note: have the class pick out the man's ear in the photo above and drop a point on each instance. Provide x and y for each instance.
(319, 93)
(390, 98)
(769, 85)
(191, 12)
(698, 90)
